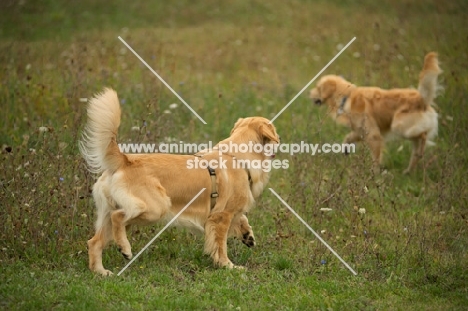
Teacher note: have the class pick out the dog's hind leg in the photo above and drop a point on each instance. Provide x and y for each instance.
(95, 246)
(216, 232)
(150, 206)
(103, 234)
(419, 144)
(241, 229)
(119, 233)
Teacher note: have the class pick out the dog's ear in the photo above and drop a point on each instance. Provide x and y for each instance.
(268, 131)
(327, 89)
(236, 125)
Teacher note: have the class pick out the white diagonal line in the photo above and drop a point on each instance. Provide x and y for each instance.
(159, 233)
(162, 80)
(311, 81)
(312, 230)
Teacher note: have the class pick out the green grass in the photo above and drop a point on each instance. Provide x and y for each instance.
(228, 60)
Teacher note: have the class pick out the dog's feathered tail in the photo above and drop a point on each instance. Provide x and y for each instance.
(98, 144)
(428, 86)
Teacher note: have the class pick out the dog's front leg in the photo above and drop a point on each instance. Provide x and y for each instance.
(375, 141)
(216, 231)
(351, 138)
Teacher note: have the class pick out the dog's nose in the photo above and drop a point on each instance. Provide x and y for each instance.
(318, 101)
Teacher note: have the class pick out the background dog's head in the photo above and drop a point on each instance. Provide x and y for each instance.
(330, 89)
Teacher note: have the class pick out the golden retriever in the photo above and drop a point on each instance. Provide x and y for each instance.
(141, 189)
(372, 113)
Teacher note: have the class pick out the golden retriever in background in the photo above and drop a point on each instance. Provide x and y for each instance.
(372, 112)
(141, 189)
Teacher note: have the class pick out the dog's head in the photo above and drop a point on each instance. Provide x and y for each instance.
(259, 126)
(329, 89)
(255, 129)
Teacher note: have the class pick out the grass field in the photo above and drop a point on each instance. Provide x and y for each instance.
(228, 60)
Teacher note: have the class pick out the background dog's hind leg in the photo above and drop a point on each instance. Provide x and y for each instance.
(419, 144)
(216, 232)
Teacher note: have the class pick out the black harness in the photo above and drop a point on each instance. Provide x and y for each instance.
(214, 190)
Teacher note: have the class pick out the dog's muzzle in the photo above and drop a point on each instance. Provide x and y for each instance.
(317, 101)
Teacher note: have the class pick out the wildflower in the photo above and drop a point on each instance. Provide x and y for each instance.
(356, 54)
(323, 261)
(326, 209)
(173, 106)
(362, 211)
(61, 179)
(43, 129)
(166, 111)
(339, 46)
(135, 128)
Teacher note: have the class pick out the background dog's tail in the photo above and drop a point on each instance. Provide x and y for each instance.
(428, 86)
(98, 144)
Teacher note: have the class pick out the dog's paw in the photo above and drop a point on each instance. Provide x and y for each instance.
(248, 239)
(105, 272)
(127, 256)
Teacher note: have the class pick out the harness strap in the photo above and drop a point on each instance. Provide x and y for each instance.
(214, 191)
(341, 108)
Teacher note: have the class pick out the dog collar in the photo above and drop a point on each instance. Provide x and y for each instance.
(341, 108)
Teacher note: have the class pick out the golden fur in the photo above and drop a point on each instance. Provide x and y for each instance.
(372, 112)
(145, 188)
